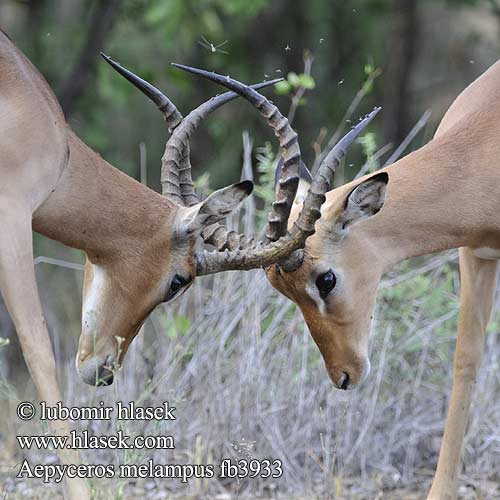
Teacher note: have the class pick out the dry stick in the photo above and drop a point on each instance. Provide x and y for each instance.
(143, 163)
(308, 60)
(400, 150)
(431, 264)
(366, 167)
(406, 142)
(361, 94)
(247, 173)
(100, 28)
(371, 411)
(58, 262)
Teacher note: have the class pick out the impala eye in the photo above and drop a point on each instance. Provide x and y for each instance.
(175, 285)
(325, 283)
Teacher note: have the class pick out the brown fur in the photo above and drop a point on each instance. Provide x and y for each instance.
(445, 195)
(136, 241)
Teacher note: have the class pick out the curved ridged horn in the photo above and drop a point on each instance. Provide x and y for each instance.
(173, 161)
(178, 183)
(321, 184)
(287, 251)
(278, 217)
(168, 109)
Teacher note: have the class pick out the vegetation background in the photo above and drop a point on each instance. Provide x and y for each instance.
(232, 355)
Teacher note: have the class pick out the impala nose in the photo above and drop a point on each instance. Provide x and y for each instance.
(343, 381)
(349, 377)
(105, 377)
(95, 371)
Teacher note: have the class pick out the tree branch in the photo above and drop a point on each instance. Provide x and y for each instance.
(101, 23)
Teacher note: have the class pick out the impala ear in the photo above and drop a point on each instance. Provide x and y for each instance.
(304, 182)
(217, 206)
(365, 200)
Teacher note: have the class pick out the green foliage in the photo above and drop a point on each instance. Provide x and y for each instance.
(369, 147)
(294, 82)
(177, 326)
(264, 187)
(243, 7)
(419, 303)
(460, 3)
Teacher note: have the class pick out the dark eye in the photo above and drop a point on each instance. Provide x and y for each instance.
(175, 285)
(325, 283)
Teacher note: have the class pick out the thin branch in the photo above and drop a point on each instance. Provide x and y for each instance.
(100, 26)
(366, 167)
(308, 60)
(361, 94)
(58, 262)
(422, 122)
(143, 163)
(247, 173)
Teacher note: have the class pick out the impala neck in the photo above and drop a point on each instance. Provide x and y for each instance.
(445, 195)
(97, 208)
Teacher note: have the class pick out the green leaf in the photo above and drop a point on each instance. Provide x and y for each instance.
(282, 87)
(306, 81)
(178, 326)
(158, 13)
(293, 79)
(186, 358)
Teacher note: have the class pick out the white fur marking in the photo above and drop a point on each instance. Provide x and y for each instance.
(94, 299)
(313, 293)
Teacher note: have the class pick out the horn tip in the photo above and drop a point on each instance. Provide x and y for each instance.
(194, 71)
(246, 186)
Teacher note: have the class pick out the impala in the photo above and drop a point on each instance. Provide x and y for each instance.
(140, 245)
(445, 195)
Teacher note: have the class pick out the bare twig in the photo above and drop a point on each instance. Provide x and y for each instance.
(308, 60)
(247, 173)
(58, 262)
(361, 94)
(366, 167)
(409, 138)
(143, 165)
(100, 26)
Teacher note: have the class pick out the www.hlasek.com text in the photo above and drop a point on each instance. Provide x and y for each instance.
(88, 441)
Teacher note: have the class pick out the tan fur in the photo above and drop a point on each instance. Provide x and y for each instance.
(130, 236)
(445, 195)
(136, 241)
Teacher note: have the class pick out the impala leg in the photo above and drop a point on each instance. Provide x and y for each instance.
(20, 293)
(478, 281)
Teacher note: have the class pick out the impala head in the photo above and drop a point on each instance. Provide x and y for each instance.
(300, 269)
(122, 288)
(336, 284)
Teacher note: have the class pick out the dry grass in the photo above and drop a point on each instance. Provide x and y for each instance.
(237, 361)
